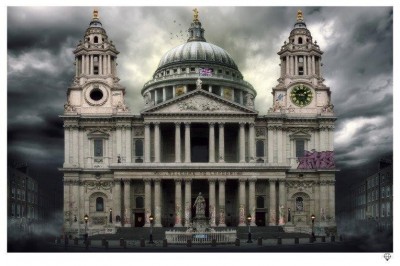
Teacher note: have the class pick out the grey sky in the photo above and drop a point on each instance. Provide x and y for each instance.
(358, 67)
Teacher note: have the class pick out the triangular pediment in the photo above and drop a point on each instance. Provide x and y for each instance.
(198, 101)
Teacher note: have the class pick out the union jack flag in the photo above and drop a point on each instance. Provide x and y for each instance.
(205, 72)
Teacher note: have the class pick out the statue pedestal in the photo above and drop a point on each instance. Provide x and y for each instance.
(200, 223)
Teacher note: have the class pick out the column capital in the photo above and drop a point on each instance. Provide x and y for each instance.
(282, 181)
(212, 180)
(188, 180)
(177, 124)
(126, 181)
(221, 124)
(242, 179)
(178, 180)
(147, 179)
(187, 124)
(146, 124)
(272, 180)
(157, 180)
(253, 179)
(211, 124)
(251, 124)
(156, 123)
(221, 180)
(241, 124)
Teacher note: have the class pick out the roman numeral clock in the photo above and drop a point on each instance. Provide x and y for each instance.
(301, 95)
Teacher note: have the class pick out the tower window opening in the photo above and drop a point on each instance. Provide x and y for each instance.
(219, 71)
(299, 204)
(96, 70)
(192, 69)
(300, 148)
(260, 202)
(99, 204)
(301, 71)
(300, 40)
(96, 39)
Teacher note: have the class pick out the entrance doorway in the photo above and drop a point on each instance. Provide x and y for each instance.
(260, 218)
(139, 219)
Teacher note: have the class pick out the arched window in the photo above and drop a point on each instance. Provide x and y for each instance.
(260, 202)
(139, 150)
(260, 148)
(299, 204)
(300, 40)
(96, 39)
(99, 204)
(139, 202)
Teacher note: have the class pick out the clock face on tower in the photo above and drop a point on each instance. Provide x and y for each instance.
(301, 95)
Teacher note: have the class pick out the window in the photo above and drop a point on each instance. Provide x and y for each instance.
(175, 70)
(96, 39)
(139, 149)
(12, 209)
(192, 69)
(183, 70)
(383, 189)
(98, 147)
(301, 71)
(167, 72)
(260, 202)
(383, 210)
(300, 148)
(139, 202)
(99, 204)
(299, 204)
(300, 40)
(388, 209)
(388, 192)
(13, 192)
(18, 210)
(18, 194)
(260, 148)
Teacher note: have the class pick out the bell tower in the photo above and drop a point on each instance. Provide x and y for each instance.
(95, 88)
(301, 88)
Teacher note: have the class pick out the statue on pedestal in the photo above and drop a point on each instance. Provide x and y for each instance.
(200, 205)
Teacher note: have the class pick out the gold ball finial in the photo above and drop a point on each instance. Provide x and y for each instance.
(195, 15)
(300, 15)
(95, 13)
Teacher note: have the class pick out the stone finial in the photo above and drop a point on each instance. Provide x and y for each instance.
(300, 15)
(95, 14)
(195, 15)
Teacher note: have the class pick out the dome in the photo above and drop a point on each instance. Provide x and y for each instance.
(198, 52)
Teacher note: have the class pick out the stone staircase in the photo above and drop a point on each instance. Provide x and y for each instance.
(136, 233)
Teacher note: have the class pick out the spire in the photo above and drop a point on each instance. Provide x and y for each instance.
(195, 15)
(95, 14)
(300, 17)
(95, 19)
(196, 32)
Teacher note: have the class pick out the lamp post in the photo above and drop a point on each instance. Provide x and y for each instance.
(249, 235)
(86, 221)
(312, 226)
(151, 218)
(110, 216)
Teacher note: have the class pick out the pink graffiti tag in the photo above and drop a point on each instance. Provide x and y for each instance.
(317, 160)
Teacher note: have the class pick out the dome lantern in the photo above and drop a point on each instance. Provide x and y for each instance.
(196, 32)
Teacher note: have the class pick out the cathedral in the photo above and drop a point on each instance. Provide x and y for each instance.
(199, 132)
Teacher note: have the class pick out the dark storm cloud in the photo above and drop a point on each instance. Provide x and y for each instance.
(358, 61)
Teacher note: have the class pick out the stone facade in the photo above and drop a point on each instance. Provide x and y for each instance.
(199, 132)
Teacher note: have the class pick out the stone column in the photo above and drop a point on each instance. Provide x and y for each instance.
(187, 142)
(296, 70)
(242, 202)
(66, 145)
(88, 64)
(313, 64)
(241, 141)
(252, 144)
(128, 144)
(188, 202)
(76, 66)
(116, 193)
(100, 65)
(331, 189)
(83, 64)
(272, 200)
(164, 94)
(147, 201)
(127, 203)
(221, 143)
(212, 205)
(178, 203)
(91, 65)
(157, 202)
(147, 142)
(287, 65)
(109, 65)
(282, 202)
(211, 145)
(252, 200)
(177, 142)
(75, 142)
(157, 142)
(280, 146)
(305, 65)
(270, 145)
(221, 202)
